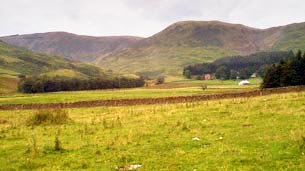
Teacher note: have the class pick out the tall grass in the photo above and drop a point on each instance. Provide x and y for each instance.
(48, 116)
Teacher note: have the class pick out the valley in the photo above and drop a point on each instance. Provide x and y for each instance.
(171, 101)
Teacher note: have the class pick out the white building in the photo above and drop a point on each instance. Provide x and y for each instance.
(244, 82)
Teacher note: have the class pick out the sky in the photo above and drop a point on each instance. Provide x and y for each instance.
(139, 17)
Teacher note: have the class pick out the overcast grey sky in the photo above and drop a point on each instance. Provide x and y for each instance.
(139, 17)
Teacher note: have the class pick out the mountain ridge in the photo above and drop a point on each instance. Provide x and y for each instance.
(202, 41)
(72, 46)
(178, 45)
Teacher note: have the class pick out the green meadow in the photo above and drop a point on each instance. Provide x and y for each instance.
(262, 133)
(171, 89)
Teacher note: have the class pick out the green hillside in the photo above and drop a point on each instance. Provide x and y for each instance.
(16, 61)
(190, 42)
(166, 60)
(21, 61)
(292, 38)
(165, 53)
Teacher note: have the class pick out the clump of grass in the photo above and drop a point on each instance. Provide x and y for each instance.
(3, 121)
(57, 143)
(32, 146)
(299, 138)
(302, 145)
(185, 127)
(48, 116)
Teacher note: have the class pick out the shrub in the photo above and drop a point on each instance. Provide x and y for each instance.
(48, 116)
(160, 80)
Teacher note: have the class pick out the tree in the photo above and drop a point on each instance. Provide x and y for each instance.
(187, 73)
(222, 73)
(289, 72)
(233, 74)
(40, 84)
(271, 77)
(255, 63)
(299, 55)
(245, 73)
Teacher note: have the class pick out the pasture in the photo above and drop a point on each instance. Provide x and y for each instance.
(261, 133)
(171, 89)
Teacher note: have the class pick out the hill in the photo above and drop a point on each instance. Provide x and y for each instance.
(71, 46)
(168, 51)
(189, 42)
(15, 61)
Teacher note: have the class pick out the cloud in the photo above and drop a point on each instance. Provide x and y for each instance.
(139, 17)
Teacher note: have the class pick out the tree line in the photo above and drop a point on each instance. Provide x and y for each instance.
(237, 66)
(41, 84)
(289, 72)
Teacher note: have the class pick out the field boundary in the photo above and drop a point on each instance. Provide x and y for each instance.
(150, 101)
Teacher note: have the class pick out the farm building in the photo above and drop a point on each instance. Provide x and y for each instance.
(207, 77)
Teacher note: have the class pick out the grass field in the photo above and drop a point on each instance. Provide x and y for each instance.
(263, 133)
(171, 89)
(8, 83)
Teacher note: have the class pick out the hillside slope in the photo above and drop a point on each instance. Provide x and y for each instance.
(189, 42)
(26, 62)
(168, 51)
(71, 46)
(15, 61)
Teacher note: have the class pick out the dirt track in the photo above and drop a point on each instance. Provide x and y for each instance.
(147, 101)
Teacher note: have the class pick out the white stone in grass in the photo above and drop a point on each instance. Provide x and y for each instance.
(220, 137)
(134, 166)
(129, 167)
(195, 139)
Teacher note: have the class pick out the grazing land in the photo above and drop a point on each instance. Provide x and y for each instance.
(172, 89)
(261, 133)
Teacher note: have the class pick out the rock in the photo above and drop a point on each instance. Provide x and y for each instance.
(129, 167)
(195, 139)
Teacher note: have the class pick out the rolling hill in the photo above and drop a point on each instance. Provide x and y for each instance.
(189, 42)
(168, 51)
(71, 46)
(15, 61)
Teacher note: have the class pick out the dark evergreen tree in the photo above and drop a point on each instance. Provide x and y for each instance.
(271, 77)
(288, 72)
(254, 63)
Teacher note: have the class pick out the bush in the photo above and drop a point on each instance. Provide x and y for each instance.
(48, 116)
(160, 80)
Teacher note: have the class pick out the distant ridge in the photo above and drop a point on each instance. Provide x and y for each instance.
(71, 46)
(168, 51)
(189, 42)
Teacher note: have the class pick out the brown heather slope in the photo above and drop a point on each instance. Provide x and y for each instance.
(72, 46)
(190, 42)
